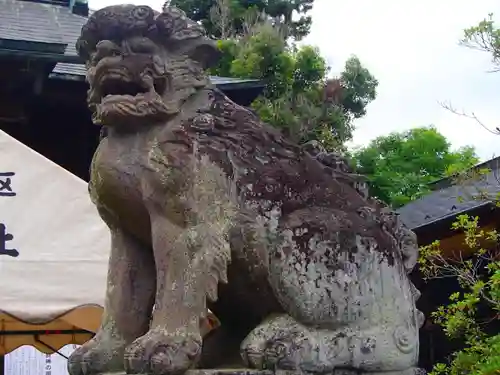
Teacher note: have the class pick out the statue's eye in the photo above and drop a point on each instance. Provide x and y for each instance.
(106, 48)
(142, 45)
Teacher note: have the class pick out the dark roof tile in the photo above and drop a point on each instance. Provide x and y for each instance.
(449, 201)
(38, 22)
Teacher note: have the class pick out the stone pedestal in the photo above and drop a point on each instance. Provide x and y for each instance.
(245, 371)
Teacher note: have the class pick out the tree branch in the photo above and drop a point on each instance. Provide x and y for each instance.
(471, 116)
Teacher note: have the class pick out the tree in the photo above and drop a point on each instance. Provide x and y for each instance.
(400, 166)
(279, 12)
(299, 97)
(479, 279)
(485, 37)
(478, 274)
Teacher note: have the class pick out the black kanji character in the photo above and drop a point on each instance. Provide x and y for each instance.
(5, 184)
(4, 237)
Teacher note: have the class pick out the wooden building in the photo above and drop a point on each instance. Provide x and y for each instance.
(42, 82)
(431, 217)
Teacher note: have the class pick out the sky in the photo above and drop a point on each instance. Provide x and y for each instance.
(412, 48)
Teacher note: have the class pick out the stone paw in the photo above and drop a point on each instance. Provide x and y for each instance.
(95, 357)
(254, 345)
(162, 353)
(279, 343)
(288, 350)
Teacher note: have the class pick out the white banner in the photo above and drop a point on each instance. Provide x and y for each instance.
(54, 247)
(26, 360)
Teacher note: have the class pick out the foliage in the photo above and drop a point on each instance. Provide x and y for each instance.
(359, 86)
(234, 13)
(485, 36)
(479, 273)
(299, 98)
(400, 166)
(479, 278)
(299, 105)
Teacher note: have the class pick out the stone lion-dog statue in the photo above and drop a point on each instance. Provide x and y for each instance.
(209, 208)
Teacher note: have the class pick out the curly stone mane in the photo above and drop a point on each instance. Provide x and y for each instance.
(171, 28)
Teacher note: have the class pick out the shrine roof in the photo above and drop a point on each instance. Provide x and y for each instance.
(448, 199)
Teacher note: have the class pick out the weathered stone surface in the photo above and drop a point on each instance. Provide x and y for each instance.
(208, 205)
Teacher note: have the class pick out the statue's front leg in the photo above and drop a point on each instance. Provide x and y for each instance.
(127, 311)
(173, 343)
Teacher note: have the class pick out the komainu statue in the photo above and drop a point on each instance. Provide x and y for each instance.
(209, 208)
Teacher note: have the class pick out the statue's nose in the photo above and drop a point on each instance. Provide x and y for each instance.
(125, 48)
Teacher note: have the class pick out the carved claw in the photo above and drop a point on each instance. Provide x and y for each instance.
(287, 350)
(280, 343)
(252, 357)
(253, 347)
(95, 357)
(161, 353)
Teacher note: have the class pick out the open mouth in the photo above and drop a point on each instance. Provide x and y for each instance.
(120, 87)
(113, 87)
(116, 94)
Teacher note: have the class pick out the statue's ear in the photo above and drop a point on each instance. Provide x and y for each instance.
(205, 52)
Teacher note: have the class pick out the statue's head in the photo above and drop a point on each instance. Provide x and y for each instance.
(141, 64)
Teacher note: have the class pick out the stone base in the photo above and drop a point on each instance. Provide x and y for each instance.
(245, 371)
